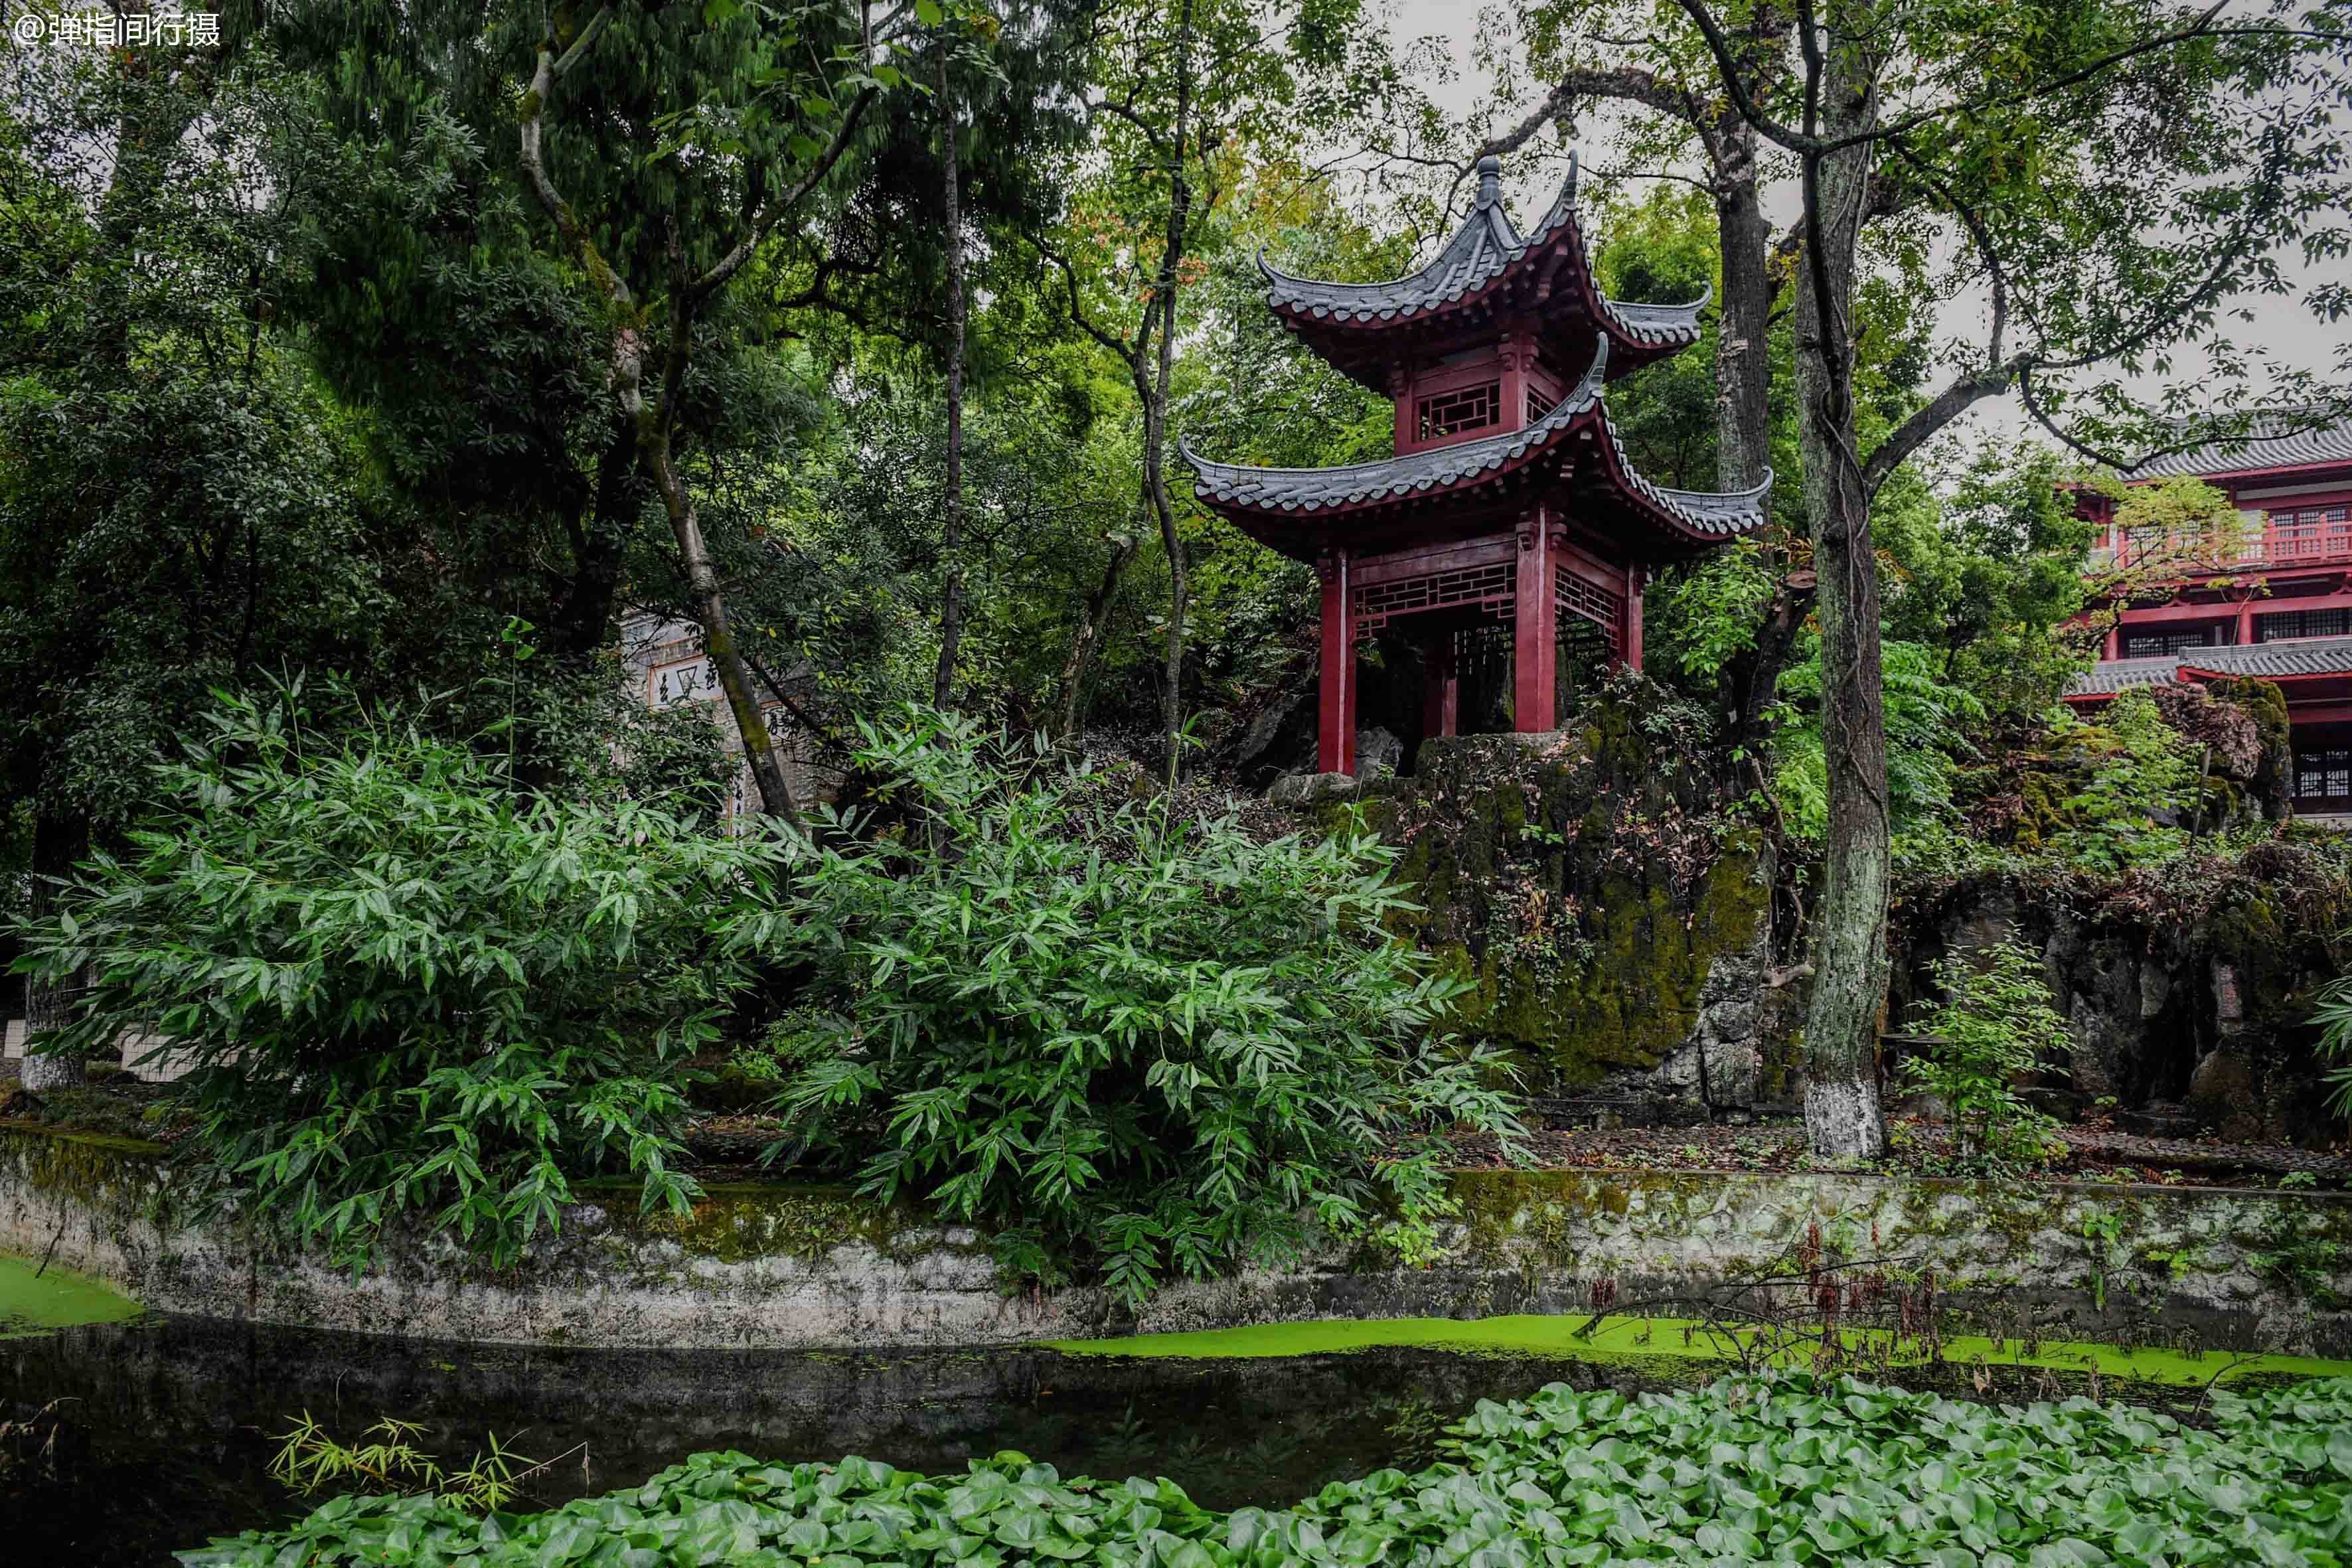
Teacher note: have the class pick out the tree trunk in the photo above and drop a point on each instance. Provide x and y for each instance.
(1842, 1114)
(952, 519)
(655, 420)
(48, 1007)
(1172, 691)
(1087, 641)
(585, 614)
(711, 611)
(1154, 390)
(1748, 681)
(1743, 359)
(1743, 388)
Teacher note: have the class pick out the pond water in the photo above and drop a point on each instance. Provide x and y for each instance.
(158, 1428)
(164, 1424)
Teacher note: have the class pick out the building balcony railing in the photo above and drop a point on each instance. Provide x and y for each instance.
(2280, 550)
(2313, 534)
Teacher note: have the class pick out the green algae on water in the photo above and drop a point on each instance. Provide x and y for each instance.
(33, 1301)
(1623, 1338)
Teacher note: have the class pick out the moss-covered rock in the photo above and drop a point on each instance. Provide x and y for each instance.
(2188, 989)
(1595, 891)
(2271, 782)
(2236, 733)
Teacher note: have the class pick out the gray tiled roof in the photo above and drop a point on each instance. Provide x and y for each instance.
(2305, 655)
(2110, 676)
(1486, 245)
(1704, 512)
(2305, 439)
(2265, 660)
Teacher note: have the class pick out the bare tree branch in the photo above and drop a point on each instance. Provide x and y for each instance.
(547, 71)
(727, 266)
(1728, 67)
(1128, 353)
(1627, 82)
(2200, 28)
(1988, 379)
(1809, 141)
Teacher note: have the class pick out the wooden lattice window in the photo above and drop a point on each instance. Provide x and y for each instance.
(2159, 645)
(2303, 624)
(1489, 587)
(1540, 403)
(1469, 408)
(1575, 596)
(2323, 774)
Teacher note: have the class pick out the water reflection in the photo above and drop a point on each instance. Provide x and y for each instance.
(164, 1424)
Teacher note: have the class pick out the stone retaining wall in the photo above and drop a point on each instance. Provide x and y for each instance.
(781, 1266)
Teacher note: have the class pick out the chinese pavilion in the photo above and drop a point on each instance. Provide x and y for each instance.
(1509, 522)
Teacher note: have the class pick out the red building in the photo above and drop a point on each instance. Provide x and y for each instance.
(2278, 607)
(1509, 529)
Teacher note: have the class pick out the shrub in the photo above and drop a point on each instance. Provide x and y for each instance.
(1995, 1025)
(1928, 721)
(1107, 1031)
(400, 986)
(2332, 1014)
(2147, 775)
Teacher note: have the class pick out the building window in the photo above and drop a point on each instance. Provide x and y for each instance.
(2143, 543)
(2323, 774)
(2296, 624)
(1539, 404)
(2162, 645)
(2312, 533)
(1471, 408)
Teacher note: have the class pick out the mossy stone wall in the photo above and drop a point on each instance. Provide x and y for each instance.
(801, 1266)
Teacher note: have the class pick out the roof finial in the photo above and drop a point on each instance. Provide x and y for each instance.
(1490, 180)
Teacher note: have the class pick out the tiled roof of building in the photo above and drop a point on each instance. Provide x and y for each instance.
(2284, 441)
(2266, 661)
(2273, 660)
(2111, 676)
(1721, 516)
(1486, 245)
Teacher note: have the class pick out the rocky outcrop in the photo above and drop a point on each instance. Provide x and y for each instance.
(2188, 993)
(1378, 753)
(1311, 789)
(1607, 909)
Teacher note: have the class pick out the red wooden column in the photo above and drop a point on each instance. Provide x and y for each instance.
(1441, 692)
(2245, 623)
(1629, 629)
(1335, 717)
(1534, 647)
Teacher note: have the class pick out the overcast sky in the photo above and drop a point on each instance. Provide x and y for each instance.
(2282, 329)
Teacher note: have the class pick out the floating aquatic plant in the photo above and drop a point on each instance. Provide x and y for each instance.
(1774, 1469)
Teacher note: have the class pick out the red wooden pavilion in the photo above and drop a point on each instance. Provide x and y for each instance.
(1509, 522)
